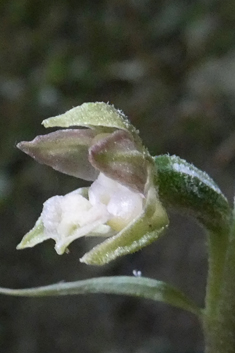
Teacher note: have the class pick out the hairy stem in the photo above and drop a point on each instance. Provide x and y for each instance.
(217, 246)
(219, 321)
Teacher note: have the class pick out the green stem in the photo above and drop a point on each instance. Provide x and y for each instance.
(217, 246)
(186, 188)
(219, 320)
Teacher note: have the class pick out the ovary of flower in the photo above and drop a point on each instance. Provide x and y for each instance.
(109, 208)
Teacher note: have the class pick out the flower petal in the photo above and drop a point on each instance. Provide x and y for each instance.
(97, 114)
(123, 204)
(63, 150)
(67, 218)
(117, 156)
(141, 232)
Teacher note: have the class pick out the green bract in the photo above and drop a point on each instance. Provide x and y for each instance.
(185, 187)
(122, 203)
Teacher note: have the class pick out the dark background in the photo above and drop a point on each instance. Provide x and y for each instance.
(170, 66)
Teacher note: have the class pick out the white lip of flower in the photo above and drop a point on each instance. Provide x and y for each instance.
(109, 208)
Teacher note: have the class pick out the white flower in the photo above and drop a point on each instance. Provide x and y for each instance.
(121, 204)
(109, 208)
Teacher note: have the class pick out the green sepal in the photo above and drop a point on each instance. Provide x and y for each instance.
(35, 236)
(93, 115)
(125, 285)
(183, 186)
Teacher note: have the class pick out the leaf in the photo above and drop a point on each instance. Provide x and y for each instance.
(125, 285)
(182, 185)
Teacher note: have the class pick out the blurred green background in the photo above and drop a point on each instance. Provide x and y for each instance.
(170, 66)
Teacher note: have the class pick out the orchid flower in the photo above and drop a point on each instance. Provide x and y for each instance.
(121, 204)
